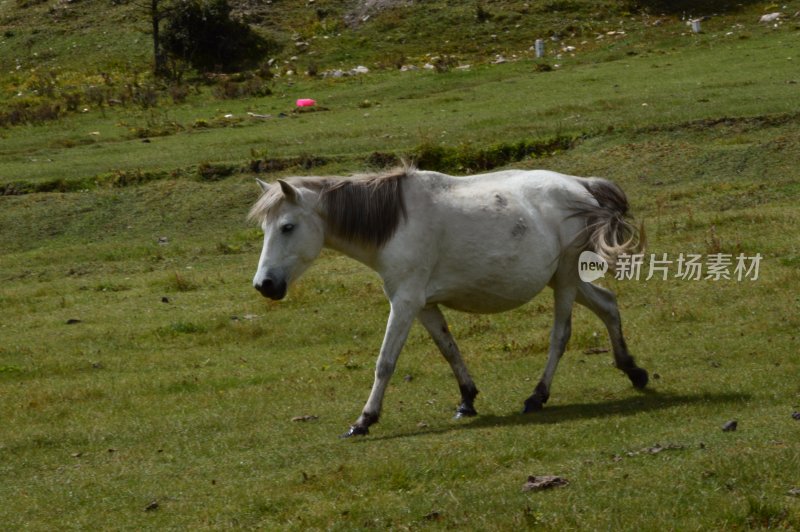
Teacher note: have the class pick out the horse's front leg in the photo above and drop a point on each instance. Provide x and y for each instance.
(401, 317)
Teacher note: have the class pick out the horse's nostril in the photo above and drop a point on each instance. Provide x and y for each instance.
(272, 289)
(265, 286)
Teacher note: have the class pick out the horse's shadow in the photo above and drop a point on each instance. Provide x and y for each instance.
(647, 401)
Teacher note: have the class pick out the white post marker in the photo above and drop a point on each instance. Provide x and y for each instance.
(539, 48)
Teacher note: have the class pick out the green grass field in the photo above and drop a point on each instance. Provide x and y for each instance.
(145, 385)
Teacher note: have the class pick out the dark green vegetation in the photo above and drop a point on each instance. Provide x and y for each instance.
(144, 384)
(206, 37)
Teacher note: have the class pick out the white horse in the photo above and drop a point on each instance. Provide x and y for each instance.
(485, 243)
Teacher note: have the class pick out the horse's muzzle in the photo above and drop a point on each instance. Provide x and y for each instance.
(271, 288)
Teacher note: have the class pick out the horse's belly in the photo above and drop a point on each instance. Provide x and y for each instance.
(486, 297)
(483, 303)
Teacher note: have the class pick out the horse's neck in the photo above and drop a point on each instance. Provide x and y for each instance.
(363, 253)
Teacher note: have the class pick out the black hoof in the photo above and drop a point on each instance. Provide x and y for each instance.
(638, 377)
(355, 430)
(465, 410)
(532, 404)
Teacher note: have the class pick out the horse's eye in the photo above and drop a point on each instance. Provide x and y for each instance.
(287, 228)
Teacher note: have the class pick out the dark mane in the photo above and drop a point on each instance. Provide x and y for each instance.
(365, 208)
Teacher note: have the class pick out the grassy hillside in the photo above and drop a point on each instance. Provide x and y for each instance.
(145, 385)
(731, 70)
(78, 41)
(107, 37)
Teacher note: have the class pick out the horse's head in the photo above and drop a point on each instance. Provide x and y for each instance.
(293, 236)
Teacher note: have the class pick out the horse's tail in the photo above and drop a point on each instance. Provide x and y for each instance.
(610, 231)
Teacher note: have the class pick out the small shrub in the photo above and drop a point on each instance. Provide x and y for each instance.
(256, 87)
(125, 178)
(229, 89)
(180, 327)
(215, 172)
(307, 162)
(53, 185)
(145, 97)
(72, 100)
(270, 164)
(16, 188)
(204, 35)
(178, 92)
(45, 112)
(764, 515)
(264, 71)
(11, 372)
(97, 96)
(179, 283)
(398, 60)
(228, 249)
(433, 157)
(30, 110)
(44, 84)
(382, 160)
(444, 63)
(187, 328)
(226, 90)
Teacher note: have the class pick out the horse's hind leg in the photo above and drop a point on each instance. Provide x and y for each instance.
(603, 303)
(433, 320)
(564, 294)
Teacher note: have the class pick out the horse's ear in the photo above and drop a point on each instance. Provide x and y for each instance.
(264, 186)
(291, 193)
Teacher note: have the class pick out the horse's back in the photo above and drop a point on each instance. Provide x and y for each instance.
(535, 185)
(508, 204)
(495, 240)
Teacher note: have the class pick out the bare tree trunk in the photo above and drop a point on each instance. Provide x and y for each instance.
(159, 64)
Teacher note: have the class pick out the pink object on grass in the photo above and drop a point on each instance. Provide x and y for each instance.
(305, 102)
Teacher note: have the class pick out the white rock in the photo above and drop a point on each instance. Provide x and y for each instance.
(771, 17)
